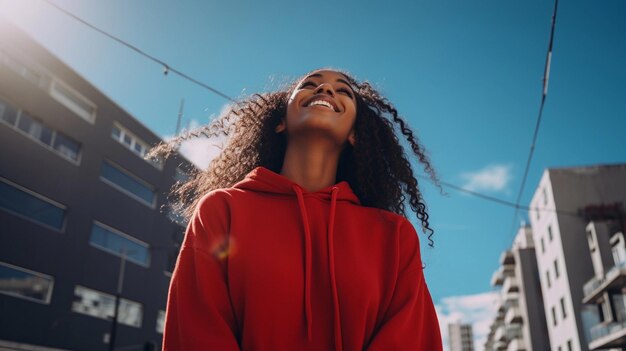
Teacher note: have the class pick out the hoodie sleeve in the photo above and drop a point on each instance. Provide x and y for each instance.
(199, 313)
(410, 322)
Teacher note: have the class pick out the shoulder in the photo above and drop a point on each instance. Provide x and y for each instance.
(407, 239)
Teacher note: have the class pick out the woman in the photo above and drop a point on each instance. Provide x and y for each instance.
(297, 237)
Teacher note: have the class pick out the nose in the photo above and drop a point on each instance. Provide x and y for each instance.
(325, 87)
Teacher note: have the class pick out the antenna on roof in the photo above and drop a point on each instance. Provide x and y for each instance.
(180, 115)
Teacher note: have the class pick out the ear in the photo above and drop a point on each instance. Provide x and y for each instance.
(280, 127)
(352, 138)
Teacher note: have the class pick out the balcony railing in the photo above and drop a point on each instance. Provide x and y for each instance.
(594, 283)
(516, 344)
(608, 333)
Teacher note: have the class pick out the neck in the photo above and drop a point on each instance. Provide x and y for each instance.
(311, 164)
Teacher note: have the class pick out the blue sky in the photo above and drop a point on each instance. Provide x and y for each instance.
(466, 75)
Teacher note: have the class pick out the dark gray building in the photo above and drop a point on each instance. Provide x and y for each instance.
(76, 196)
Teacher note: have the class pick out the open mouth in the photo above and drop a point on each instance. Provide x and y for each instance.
(323, 104)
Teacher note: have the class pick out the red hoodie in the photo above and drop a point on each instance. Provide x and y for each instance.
(266, 265)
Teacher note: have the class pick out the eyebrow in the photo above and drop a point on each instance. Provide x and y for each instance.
(338, 79)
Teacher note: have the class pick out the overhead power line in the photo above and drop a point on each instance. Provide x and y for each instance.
(501, 201)
(544, 94)
(166, 67)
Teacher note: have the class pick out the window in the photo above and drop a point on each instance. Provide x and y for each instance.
(160, 323)
(548, 279)
(554, 315)
(28, 204)
(8, 113)
(127, 183)
(118, 243)
(569, 345)
(543, 246)
(563, 312)
(133, 143)
(33, 128)
(618, 249)
(545, 196)
(556, 269)
(100, 305)
(24, 283)
(560, 348)
(550, 233)
(73, 100)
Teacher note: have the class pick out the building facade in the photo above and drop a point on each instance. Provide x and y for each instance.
(606, 290)
(519, 323)
(563, 254)
(77, 202)
(461, 337)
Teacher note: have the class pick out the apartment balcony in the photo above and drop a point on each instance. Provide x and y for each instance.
(497, 278)
(499, 346)
(503, 271)
(507, 258)
(608, 335)
(516, 344)
(510, 285)
(513, 316)
(615, 278)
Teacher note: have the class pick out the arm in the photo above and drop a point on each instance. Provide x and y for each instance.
(410, 322)
(199, 313)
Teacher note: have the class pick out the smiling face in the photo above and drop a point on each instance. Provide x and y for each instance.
(322, 103)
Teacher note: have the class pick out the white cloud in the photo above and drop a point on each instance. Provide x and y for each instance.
(478, 310)
(200, 151)
(491, 178)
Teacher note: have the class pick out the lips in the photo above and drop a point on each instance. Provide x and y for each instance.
(323, 98)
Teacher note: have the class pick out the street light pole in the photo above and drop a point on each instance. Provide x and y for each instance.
(118, 295)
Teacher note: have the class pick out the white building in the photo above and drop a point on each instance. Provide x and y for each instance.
(461, 337)
(520, 322)
(563, 257)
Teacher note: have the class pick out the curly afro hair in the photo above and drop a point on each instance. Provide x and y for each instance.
(376, 166)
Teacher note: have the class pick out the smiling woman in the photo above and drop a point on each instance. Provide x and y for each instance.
(298, 237)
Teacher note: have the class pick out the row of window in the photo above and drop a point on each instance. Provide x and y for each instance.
(39, 209)
(63, 93)
(26, 203)
(35, 129)
(34, 286)
(134, 144)
(557, 274)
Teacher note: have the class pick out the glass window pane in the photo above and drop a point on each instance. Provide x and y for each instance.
(26, 204)
(116, 133)
(34, 128)
(100, 305)
(8, 113)
(127, 140)
(127, 183)
(116, 244)
(66, 147)
(160, 324)
(17, 282)
(73, 101)
(138, 148)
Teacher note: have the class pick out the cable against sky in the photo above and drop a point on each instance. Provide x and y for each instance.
(546, 77)
(167, 68)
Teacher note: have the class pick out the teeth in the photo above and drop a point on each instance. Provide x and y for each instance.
(323, 103)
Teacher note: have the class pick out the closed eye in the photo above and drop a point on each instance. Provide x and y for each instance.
(346, 91)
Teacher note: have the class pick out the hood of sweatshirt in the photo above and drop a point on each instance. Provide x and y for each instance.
(264, 180)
